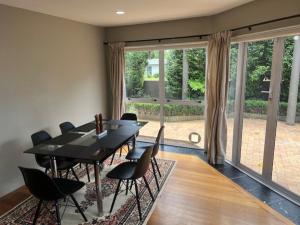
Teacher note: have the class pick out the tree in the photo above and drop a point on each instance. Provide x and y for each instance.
(174, 74)
(197, 66)
(258, 69)
(287, 69)
(136, 62)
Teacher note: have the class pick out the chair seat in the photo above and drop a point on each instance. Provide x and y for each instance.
(135, 154)
(143, 145)
(68, 186)
(123, 171)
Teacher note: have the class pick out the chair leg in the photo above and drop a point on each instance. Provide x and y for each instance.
(121, 151)
(75, 175)
(137, 199)
(154, 173)
(46, 170)
(57, 213)
(131, 184)
(60, 175)
(87, 171)
(80, 165)
(148, 187)
(157, 166)
(115, 196)
(112, 159)
(67, 173)
(127, 186)
(37, 212)
(78, 207)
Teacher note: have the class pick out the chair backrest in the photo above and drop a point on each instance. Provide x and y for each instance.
(157, 140)
(66, 127)
(39, 138)
(129, 116)
(143, 163)
(41, 185)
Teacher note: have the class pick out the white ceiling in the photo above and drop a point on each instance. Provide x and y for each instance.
(102, 12)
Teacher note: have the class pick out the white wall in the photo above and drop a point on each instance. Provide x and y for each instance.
(252, 12)
(51, 70)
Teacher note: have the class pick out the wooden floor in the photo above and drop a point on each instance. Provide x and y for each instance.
(195, 194)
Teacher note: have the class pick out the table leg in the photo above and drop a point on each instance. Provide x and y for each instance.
(53, 166)
(98, 188)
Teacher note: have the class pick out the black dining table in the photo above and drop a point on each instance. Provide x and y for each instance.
(82, 143)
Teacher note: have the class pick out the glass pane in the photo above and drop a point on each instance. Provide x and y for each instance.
(256, 102)
(286, 167)
(149, 112)
(231, 99)
(184, 125)
(185, 80)
(142, 74)
(185, 74)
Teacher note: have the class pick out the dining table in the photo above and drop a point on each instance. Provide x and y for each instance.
(82, 143)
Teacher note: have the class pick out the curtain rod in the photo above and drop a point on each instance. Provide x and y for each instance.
(200, 36)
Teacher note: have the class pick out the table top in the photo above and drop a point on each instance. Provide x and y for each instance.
(83, 143)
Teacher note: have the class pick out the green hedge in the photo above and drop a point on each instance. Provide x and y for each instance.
(251, 106)
(170, 110)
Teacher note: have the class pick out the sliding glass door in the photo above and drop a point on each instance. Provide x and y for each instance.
(184, 84)
(167, 87)
(257, 90)
(142, 89)
(286, 166)
(265, 140)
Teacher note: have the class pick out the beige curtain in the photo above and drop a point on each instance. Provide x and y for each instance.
(216, 96)
(116, 76)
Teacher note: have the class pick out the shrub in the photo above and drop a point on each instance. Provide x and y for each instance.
(169, 110)
(251, 106)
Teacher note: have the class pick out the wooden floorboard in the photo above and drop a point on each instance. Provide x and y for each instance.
(194, 194)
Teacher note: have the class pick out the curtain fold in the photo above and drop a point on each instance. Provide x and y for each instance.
(216, 96)
(116, 76)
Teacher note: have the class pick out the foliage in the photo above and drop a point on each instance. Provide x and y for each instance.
(233, 71)
(136, 62)
(258, 68)
(197, 86)
(258, 72)
(196, 63)
(174, 74)
(258, 107)
(169, 110)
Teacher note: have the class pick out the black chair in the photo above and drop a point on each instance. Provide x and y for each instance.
(66, 127)
(136, 153)
(44, 161)
(131, 171)
(127, 116)
(46, 189)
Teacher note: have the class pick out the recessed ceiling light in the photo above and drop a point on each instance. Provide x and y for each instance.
(120, 12)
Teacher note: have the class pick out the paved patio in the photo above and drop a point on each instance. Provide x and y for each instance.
(286, 166)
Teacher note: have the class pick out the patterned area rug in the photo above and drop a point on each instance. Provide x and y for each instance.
(125, 208)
